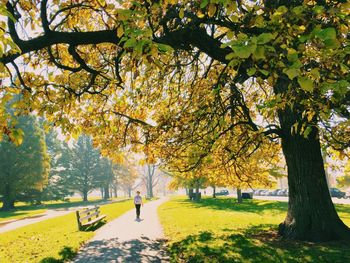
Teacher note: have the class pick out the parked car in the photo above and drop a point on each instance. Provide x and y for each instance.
(273, 192)
(247, 195)
(335, 192)
(222, 192)
(347, 194)
(264, 192)
(282, 192)
(256, 192)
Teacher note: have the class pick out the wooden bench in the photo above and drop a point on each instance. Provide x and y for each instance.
(89, 217)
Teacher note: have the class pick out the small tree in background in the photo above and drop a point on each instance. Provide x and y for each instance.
(105, 176)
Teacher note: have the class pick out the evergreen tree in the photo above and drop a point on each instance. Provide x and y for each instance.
(57, 187)
(24, 168)
(81, 166)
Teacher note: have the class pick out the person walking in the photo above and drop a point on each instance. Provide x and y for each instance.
(138, 202)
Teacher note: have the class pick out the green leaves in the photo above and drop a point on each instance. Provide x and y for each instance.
(306, 84)
(291, 72)
(265, 38)
(327, 33)
(164, 48)
(328, 36)
(259, 53)
(243, 51)
(251, 71)
(130, 43)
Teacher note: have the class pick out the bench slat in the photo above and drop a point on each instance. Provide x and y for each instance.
(90, 216)
(89, 210)
(94, 221)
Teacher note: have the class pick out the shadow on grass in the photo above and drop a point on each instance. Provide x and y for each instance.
(256, 244)
(252, 206)
(95, 226)
(67, 253)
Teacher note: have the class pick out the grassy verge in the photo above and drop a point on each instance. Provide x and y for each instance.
(220, 230)
(52, 240)
(23, 210)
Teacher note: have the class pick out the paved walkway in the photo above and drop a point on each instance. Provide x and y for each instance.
(128, 240)
(50, 213)
(4, 227)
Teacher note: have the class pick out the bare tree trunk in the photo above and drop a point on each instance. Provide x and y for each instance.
(239, 195)
(85, 196)
(214, 191)
(190, 193)
(106, 192)
(197, 196)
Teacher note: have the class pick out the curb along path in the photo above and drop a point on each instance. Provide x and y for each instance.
(127, 240)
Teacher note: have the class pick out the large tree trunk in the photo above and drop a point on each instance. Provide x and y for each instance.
(8, 202)
(214, 191)
(311, 213)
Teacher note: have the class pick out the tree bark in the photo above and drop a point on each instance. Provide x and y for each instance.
(239, 195)
(311, 214)
(197, 195)
(7, 204)
(190, 193)
(106, 192)
(214, 191)
(85, 196)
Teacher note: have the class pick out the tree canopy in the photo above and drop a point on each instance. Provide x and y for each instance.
(164, 76)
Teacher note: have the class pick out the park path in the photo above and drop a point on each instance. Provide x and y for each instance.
(50, 213)
(4, 227)
(128, 240)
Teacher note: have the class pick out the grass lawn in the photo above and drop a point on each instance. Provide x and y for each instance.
(220, 230)
(52, 240)
(23, 210)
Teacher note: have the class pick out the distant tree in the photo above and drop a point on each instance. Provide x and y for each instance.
(150, 178)
(57, 187)
(344, 180)
(82, 164)
(127, 178)
(24, 168)
(105, 176)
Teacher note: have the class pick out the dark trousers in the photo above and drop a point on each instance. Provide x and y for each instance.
(137, 210)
